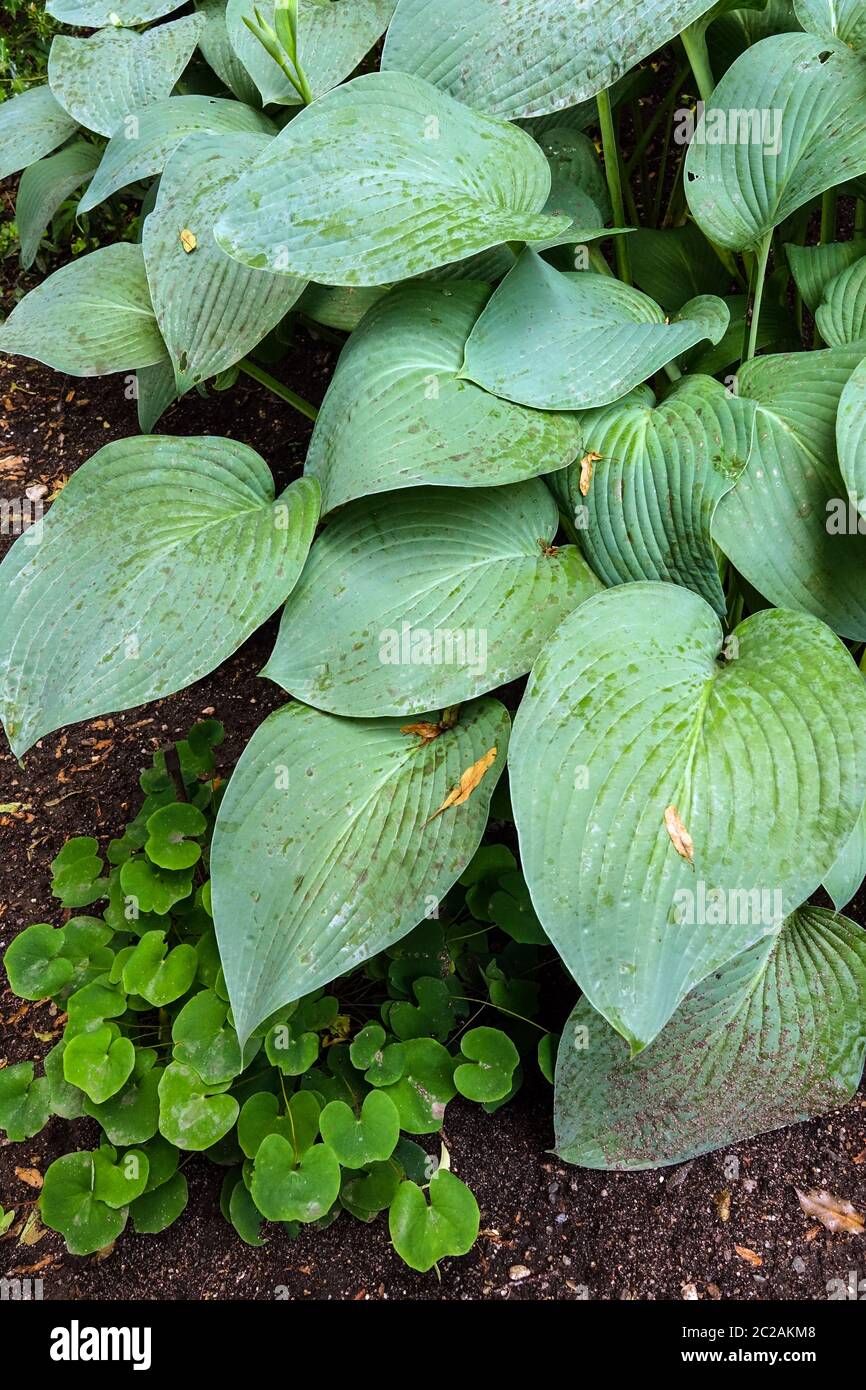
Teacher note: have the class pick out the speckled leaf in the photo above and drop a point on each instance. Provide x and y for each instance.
(339, 306)
(835, 19)
(841, 315)
(155, 391)
(780, 526)
(158, 559)
(99, 80)
(32, 124)
(148, 137)
(382, 179)
(217, 51)
(332, 40)
(185, 286)
(91, 317)
(662, 471)
(95, 14)
(44, 186)
(575, 340)
(396, 415)
(427, 597)
(606, 747)
(526, 57)
(812, 95)
(301, 889)
(772, 1038)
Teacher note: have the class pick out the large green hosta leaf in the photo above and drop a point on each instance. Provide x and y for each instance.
(333, 37)
(662, 471)
(186, 286)
(91, 317)
(101, 79)
(32, 124)
(217, 51)
(575, 340)
(843, 880)
(835, 19)
(632, 726)
(95, 14)
(148, 137)
(786, 526)
(44, 186)
(426, 598)
(815, 267)
(158, 559)
(395, 413)
(841, 315)
(382, 179)
(812, 95)
(327, 846)
(526, 57)
(774, 1037)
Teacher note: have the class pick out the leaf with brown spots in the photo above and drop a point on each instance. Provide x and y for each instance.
(833, 1212)
(680, 837)
(469, 780)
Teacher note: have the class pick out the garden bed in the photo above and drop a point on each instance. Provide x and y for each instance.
(548, 1231)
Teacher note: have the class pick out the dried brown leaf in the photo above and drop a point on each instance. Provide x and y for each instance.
(31, 1176)
(587, 464)
(723, 1204)
(469, 780)
(750, 1256)
(833, 1212)
(680, 837)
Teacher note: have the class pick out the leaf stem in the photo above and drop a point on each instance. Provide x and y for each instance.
(756, 294)
(284, 393)
(695, 43)
(828, 216)
(614, 182)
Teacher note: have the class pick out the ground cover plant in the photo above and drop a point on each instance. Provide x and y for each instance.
(597, 423)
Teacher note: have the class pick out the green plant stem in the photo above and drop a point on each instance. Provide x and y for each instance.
(489, 1004)
(597, 261)
(756, 294)
(828, 216)
(695, 43)
(860, 218)
(614, 182)
(284, 393)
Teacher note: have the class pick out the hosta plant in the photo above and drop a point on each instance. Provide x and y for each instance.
(592, 457)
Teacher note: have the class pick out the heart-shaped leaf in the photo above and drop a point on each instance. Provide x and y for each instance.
(426, 1086)
(101, 79)
(425, 598)
(382, 179)
(290, 1049)
(293, 848)
(190, 1114)
(530, 56)
(119, 1181)
(68, 1204)
(131, 1116)
(492, 1061)
(371, 1138)
(143, 146)
(155, 1211)
(184, 285)
(25, 1102)
(91, 317)
(44, 186)
(371, 1190)
(284, 1191)
(730, 1063)
(653, 800)
(381, 1063)
(171, 833)
(787, 525)
(149, 889)
(76, 872)
(99, 1063)
(786, 122)
(423, 1234)
(332, 40)
(180, 552)
(158, 974)
(435, 1013)
(35, 962)
(206, 1041)
(395, 414)
(657, 472)
(260, 1116)
(540, 321)
(32, 124)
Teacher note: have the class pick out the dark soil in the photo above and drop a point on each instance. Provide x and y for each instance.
(548, 1232)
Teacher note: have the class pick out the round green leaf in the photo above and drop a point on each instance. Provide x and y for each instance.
(150, 889)
(369, 1138)
(155, 1211)
(426, 1086)
(260, 1116)
(190, 1115)
(540, 321)
(170, 835)
(158, 974)
(371, 1190)
(206, 1041)
(386, 151)
(771, 1038)
(25, 1103)
(720, 737)
(119, 1181)
(382, 1065)
(68, 1204)
(426, 598)
(290, 1049)
(395, 414)
(283, 1191)
(170, 551)
(423, 1234)
(493, 1059)
(294, 849)
(99, 1063)
(35, 963)
(131, 1116)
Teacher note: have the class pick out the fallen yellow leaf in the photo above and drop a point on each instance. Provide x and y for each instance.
(749, 1255)
(424, 729)
(31, 1176)
(469, 780)
(723, 1205)
(587, 464)
(680, 837)
(188, 240)
(832, 1212)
